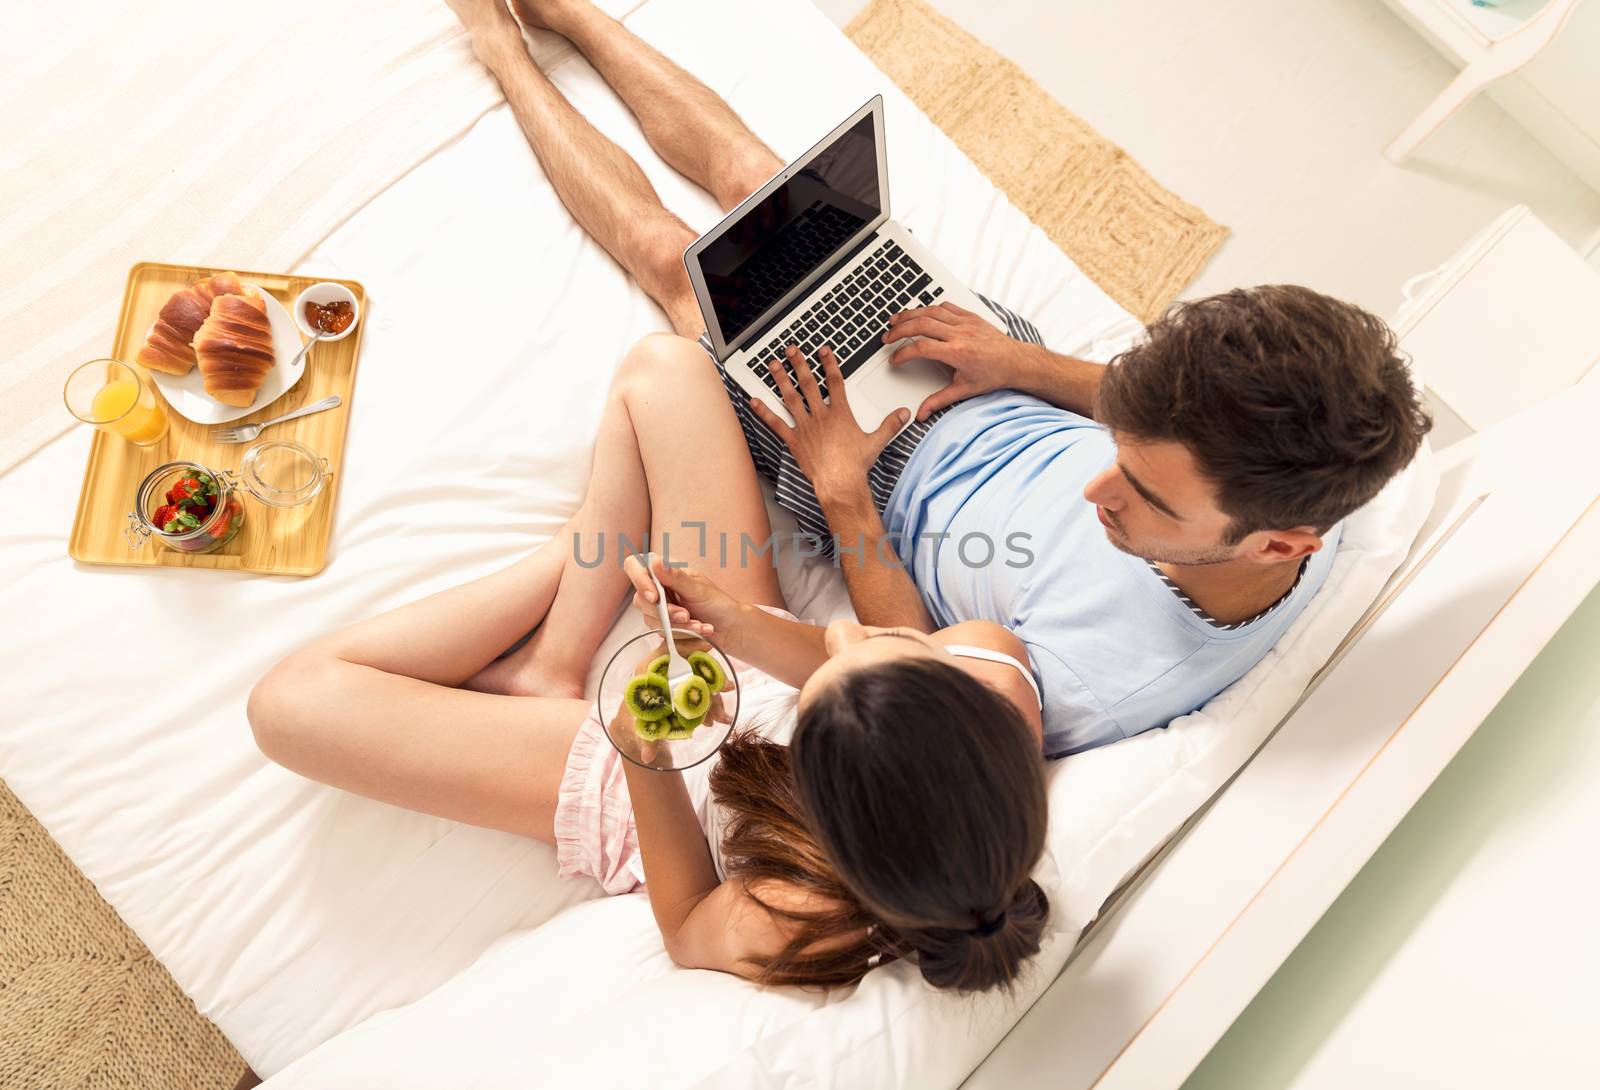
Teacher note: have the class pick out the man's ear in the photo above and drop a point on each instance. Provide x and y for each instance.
(1277, 546)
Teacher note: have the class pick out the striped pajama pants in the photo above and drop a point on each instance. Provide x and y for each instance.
(775, 463)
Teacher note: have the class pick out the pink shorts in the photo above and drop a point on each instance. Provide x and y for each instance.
(594, 815)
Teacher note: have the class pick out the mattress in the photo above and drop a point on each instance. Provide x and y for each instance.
(296, 915)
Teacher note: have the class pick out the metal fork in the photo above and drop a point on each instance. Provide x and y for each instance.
(246, 432)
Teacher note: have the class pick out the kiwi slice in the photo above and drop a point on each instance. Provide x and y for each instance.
(681, 727)
(652, 730)
(709, 668)
(659, 666)
(647, 698)
(692, 698)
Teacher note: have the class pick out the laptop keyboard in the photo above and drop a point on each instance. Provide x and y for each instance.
(851, 316)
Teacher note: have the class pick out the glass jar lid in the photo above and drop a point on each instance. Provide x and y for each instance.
(283, 473)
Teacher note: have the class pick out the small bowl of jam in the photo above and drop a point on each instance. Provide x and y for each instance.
(327, 308)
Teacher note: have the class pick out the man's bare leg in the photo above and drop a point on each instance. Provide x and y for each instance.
(600, 184)
(688, 124)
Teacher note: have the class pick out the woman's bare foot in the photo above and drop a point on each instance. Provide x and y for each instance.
(526, 672)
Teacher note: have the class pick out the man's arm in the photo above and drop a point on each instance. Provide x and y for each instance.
(1063, 381)
(834, 453)
(880, 589)
(983, 359)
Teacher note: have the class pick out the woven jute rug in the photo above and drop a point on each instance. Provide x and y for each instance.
(1139, 242)
(83, 1004)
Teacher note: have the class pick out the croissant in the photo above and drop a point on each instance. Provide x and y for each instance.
(169, 346)
(234, 348)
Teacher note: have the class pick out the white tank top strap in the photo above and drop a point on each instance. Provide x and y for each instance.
(967, 651)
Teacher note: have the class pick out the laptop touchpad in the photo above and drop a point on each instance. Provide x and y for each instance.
(906, 384)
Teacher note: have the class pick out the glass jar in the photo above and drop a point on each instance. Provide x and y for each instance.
(214, 527)
(277, 472)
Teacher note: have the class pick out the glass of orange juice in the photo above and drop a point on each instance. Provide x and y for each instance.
(119, 398)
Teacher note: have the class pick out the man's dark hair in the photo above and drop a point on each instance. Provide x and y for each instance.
(1297, 407)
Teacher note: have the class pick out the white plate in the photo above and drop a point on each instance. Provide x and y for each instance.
(187, 393)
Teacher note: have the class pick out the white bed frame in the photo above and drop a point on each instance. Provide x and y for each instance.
(1511, 548)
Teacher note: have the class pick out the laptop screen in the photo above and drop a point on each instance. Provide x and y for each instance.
(751, 263)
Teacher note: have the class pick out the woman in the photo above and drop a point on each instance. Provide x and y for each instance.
(903, 819)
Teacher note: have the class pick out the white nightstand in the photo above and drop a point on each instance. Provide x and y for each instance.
(1496, 48)
(1510, 319)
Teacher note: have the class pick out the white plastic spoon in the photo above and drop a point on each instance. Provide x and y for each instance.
(678, 668)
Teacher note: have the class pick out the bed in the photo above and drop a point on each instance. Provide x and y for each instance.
(341, 942)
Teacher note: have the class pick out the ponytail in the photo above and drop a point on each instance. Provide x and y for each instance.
(987, 955)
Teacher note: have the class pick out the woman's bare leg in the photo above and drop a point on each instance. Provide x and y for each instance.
(372, 708)
(375, 709)
(672, 459)
(688, 124)
(600, 184)
(613, 521)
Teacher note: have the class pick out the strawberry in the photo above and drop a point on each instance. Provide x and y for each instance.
(164, 514)
(185, 489)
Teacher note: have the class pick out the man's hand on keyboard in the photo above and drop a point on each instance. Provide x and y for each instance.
(982, 357)
(828, 444)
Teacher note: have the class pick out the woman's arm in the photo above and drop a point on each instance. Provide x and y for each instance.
(705, 923)
(677, 861)
(788, 650)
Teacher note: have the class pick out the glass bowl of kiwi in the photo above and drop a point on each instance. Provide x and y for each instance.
(657, 725)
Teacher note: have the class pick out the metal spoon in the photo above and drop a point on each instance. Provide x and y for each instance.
(321, 333)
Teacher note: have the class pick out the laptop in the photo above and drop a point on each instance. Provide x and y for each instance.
(811, 259)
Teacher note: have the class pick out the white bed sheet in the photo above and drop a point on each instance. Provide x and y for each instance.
(291, 912)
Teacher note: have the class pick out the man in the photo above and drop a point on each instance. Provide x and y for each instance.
(1148, 529)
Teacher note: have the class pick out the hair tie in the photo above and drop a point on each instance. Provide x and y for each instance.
(985, 928)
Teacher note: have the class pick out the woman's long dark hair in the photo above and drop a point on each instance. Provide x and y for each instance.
(910, 807)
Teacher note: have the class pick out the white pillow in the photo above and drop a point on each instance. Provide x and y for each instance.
(591, 999)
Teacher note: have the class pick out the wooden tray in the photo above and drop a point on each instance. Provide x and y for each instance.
(279, 541)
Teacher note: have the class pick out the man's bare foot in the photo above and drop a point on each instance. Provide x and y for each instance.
(547, 14)
(525, 673)
(489, 23)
